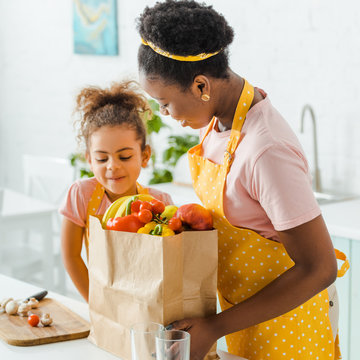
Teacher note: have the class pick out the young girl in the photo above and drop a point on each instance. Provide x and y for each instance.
(112, 128)
(276, 258)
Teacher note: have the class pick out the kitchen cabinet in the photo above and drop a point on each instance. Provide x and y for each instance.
(349, 298)
(343, 222)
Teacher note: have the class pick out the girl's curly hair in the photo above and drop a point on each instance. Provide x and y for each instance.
(121, 104)
(183, 27)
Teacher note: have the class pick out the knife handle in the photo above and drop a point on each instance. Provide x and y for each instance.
(38, 296)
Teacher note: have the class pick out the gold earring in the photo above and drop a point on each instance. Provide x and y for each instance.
(205, 97)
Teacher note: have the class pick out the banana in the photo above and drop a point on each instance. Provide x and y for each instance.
(112, 209)
(122, 208)
(144, 197)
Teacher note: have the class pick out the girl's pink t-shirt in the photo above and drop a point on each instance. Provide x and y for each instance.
(76, 202)
(268, 187)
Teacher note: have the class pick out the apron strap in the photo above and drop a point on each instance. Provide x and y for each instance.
(345, 266)
(243, 106)
(244, 103)
(141, 190)
(93, 205)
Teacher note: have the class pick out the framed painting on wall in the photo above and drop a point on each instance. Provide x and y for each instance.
(95, 27)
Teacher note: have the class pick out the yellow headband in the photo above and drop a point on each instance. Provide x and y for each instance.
(198, 57)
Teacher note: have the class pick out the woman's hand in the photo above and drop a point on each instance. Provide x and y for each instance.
(202, 335)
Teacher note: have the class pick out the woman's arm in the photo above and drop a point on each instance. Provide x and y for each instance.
(310, 247)
(71, 244)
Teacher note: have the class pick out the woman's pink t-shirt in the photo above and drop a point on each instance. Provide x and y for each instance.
(268, 187)
(76, 202)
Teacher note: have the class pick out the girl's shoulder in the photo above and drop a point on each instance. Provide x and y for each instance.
(81, 190)
(76, 201)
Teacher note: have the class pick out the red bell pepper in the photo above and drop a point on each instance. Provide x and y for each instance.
(129, 223)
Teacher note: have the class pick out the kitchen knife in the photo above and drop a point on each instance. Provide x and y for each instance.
(38, 296)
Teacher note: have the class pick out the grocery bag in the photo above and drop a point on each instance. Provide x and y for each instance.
(137, 278)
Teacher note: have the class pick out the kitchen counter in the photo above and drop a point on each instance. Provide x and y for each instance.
(343, 218)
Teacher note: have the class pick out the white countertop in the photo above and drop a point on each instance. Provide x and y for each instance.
(342, 218)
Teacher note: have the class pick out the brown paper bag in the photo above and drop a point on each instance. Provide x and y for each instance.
(138, 278)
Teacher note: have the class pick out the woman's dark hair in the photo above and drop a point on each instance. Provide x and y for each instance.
(121, 104)
(183, 28)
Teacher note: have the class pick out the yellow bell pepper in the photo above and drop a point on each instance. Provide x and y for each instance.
(147, 228)
(161, 229)
(166, 231)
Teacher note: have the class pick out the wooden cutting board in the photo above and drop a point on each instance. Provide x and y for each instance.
(66, 325)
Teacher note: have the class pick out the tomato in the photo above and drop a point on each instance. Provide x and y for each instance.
(175, 224)
(145, 205)
(129, 223)
(157, 206)
(33, 320)
(145, 216)
(135, 206)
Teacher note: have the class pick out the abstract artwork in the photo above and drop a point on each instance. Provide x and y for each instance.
(95, 27)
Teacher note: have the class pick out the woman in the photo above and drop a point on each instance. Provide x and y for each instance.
(276, 258)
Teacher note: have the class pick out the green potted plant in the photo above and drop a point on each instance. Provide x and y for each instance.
(81, 165)
(177, 146)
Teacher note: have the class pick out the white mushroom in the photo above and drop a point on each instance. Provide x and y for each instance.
(11, 307)
(2, 309)
(5, 301)
(46, 320)
(34, 303)
(23, 309)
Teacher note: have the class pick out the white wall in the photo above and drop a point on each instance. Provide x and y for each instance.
(299, 52)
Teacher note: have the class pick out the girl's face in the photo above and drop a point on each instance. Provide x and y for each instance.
(183, 106)
(116, 158)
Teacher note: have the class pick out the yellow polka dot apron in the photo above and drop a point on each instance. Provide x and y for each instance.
(248, 262)
(94, 204)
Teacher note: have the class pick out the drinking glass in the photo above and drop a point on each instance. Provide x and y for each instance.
(173, 345)
(143, 340)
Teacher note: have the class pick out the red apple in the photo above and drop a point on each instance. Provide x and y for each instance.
(196, 216)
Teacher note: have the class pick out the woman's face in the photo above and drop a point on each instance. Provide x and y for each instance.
(183, 106)
(116, 159)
